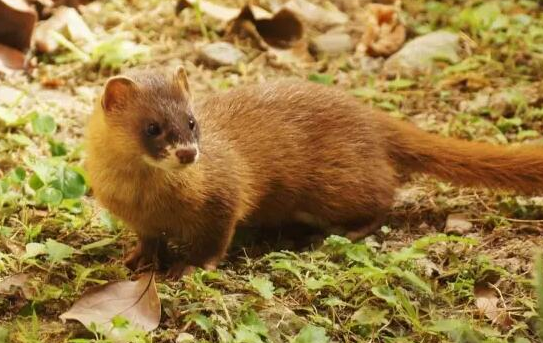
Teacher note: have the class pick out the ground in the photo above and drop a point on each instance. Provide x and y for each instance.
(409, 282)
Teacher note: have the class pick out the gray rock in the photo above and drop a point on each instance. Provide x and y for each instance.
(457, 224)
(418, 55)
(332, 43)
(221, 54)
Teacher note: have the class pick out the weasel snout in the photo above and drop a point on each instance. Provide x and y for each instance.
(187, 154)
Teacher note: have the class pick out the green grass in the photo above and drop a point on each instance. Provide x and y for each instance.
(407, 283)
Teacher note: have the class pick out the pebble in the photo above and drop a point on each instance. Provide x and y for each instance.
(332, 43)
(419, 55)
(457, 224)
(221, 54)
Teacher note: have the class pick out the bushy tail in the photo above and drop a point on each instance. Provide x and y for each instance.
(462, 162)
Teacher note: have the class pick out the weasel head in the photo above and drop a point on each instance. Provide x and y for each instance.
(151, 113)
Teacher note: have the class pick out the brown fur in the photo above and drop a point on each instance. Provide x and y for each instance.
(273, 151)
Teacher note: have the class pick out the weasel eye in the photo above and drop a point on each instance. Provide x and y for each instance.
(153, 130)
(192, 123)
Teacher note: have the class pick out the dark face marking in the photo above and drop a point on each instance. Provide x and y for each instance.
(164, 130)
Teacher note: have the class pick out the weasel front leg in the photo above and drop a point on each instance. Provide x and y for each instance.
(206, 250)
(149, 251)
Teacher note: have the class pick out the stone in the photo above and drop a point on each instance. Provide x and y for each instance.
(332, 43)
(418, 56)
(221, 54)
(457, 224)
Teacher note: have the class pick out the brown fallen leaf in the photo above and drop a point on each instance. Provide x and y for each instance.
(11, 284)
(11, 59)
(137, 301)
(486, 300)
(66, 21)
(52, 83)
(17, 21)
(283, 30)
(281, 35)
(384, 34)
(18, 290)
(469, 81)
(13, 247)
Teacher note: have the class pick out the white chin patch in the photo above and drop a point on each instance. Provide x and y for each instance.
(171, 162)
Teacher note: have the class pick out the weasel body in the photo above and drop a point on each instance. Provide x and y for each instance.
(263, 155)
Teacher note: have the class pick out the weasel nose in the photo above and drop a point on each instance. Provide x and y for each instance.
(186, 155)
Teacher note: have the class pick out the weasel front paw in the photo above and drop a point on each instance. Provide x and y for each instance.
(180, 269)
(139, 258)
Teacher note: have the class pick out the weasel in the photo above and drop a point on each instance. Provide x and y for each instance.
(189, 172)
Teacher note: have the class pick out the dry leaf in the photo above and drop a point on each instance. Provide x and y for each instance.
(486, 300)
(66, 21)
(281, 33)
(316, 15)
(17, 21)
(137, 301)
(283, 30)
(52, 83)
(17, 290)
(384, 34)
(8, 96)
(471, 81)
(11, 59)
(46, 8)
(220, 12)
(10, 284)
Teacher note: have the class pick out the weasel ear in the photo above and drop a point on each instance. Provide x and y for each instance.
(117, 93)
(183, 81)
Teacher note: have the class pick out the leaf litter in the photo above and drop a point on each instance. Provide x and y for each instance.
(136, 301)
(17, 20)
